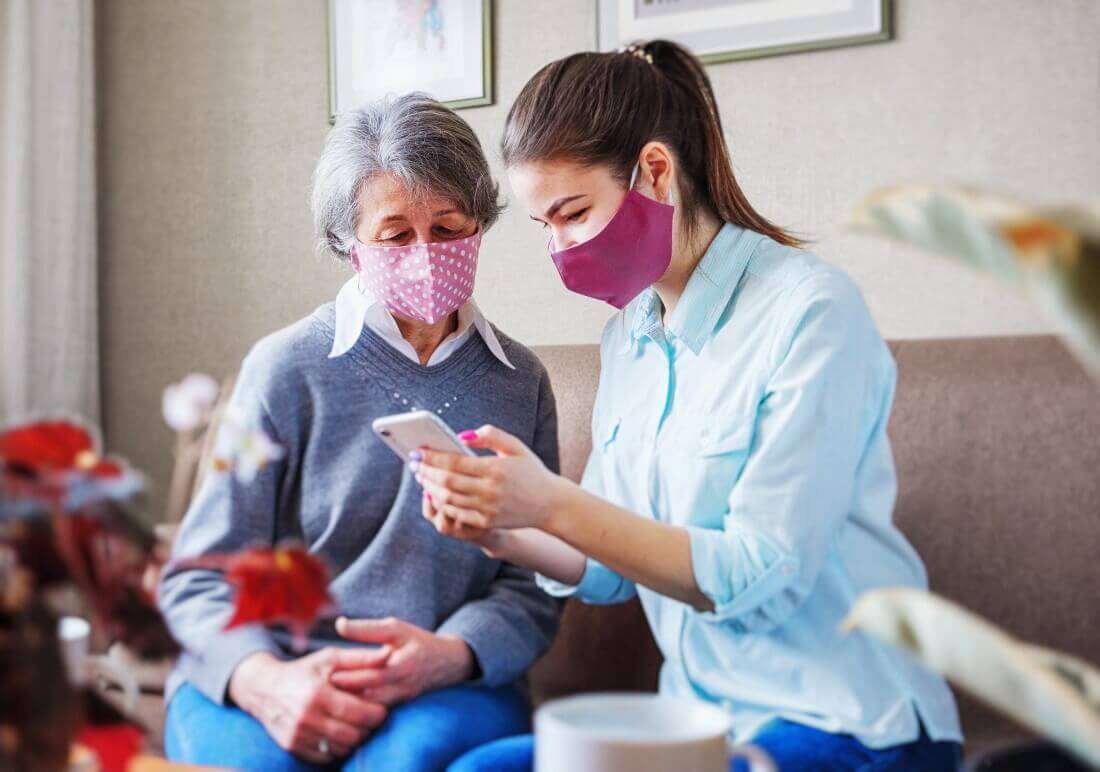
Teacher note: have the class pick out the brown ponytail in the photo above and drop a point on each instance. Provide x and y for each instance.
(601, 109)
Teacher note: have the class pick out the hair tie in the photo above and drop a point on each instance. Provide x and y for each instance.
(637, 51)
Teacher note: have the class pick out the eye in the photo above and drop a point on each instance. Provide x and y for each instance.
(396, 238)
(576, 216)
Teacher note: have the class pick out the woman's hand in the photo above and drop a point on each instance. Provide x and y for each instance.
(512, 490)
(299, 707)
(421, 661)
(515, 491)
(491, 541)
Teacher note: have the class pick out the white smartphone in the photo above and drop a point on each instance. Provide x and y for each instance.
(407, 432)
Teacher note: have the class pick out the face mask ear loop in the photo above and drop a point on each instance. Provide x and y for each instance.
(357, 263)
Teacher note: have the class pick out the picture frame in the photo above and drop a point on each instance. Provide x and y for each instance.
(381, 47)
(732, 30)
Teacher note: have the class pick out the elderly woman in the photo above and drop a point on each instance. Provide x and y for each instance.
(435, 634)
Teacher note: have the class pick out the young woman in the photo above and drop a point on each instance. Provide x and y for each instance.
(741, 481)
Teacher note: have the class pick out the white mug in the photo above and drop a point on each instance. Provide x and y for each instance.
(74, 634)
(637, 733)
(83, 668)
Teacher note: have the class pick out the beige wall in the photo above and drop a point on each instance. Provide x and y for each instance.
(214, 111)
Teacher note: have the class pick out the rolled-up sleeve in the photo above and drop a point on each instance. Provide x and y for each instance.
(796, 488)
(599, 586)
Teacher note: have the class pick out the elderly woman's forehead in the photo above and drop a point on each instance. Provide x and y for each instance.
(386, 191)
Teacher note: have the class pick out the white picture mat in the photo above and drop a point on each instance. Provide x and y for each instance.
(376, 51)
(743, 25)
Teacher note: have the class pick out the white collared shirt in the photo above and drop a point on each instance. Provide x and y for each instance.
(354, 309)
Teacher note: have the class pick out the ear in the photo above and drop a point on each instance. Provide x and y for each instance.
(656, 170)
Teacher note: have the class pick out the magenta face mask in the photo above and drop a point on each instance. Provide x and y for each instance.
(421, 281)
(632, 251)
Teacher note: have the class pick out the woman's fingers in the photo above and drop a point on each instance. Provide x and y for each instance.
(342, 737)
(352, 709)
(465, 532)
(468, 518)
(389, 630)
(397, 670)
(359, 658)
(446, 525)
(442, 495)
(494, 439)
(471, 466)
(457, 482)
(356, 680)
(307, 746)
(387, 695)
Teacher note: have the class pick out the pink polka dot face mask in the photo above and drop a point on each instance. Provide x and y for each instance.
(425, 282)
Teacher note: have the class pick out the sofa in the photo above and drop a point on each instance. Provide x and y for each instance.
(997, 442)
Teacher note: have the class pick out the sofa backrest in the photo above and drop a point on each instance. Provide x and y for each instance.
(997, 442)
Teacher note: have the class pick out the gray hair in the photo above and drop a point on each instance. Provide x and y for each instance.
(423, 144)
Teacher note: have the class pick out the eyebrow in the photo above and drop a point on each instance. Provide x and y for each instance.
(554, 207)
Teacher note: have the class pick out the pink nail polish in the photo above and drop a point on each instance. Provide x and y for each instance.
(468, 436)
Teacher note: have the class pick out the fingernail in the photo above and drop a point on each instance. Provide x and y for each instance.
(468, 436)
(414, 466)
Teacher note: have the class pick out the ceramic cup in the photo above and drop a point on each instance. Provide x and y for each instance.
(85, 669)
(637, 733)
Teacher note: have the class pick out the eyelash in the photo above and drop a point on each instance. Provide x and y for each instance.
(569, 218)
(405, 234)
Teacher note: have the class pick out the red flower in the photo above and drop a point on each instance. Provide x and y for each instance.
(60, 460)
(285, 585)
(47, 448)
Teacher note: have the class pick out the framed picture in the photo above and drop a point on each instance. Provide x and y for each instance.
(380, 47)
(724, 30)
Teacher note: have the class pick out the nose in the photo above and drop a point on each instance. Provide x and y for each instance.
(560, 241)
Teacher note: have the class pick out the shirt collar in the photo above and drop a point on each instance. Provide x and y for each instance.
(707, 294)
(353, 307)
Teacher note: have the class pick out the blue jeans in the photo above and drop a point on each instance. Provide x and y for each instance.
(795, 748)
(423, 735)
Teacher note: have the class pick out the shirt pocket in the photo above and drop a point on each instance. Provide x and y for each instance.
(714, 465)
(725, 439)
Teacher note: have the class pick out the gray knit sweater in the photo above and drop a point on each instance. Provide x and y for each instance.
(345, 495)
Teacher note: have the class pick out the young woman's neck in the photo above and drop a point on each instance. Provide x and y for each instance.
(688, 248)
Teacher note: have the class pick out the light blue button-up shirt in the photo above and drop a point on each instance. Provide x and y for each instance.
(755, 418)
